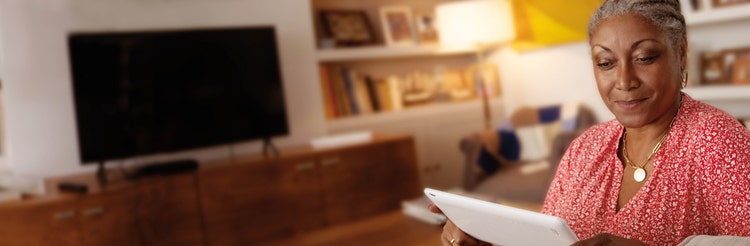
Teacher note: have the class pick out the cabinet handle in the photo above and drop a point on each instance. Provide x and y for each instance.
(305, 166)
(93, 211)
(330, 161)
(64, 215)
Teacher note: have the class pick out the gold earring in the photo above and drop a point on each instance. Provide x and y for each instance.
(684, 80)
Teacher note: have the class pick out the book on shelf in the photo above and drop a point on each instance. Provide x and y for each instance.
(372, 93)
(383, 94)
(346, 74)
(361, 95)
(340, 95)
(329, 99)
(394, 90)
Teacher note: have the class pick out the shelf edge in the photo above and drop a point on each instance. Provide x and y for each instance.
(382, 52)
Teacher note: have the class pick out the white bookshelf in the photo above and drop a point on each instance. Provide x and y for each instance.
(708, 14)
(734, 99)
(436, 126)
(715, 29)
(720, 92)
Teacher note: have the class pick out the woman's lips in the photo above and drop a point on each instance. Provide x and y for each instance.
(630, 104)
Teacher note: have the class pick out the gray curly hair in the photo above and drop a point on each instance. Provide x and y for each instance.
(665, 14)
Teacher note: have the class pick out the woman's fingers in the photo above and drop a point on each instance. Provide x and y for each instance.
(453, 236)
(434, 209)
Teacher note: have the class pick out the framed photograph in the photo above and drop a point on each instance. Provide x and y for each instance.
(741, 71)
(696, 4)
(426, 28)
(347, 27)
(735, 64)
(712, 68)
(397, 25)
(723, 3)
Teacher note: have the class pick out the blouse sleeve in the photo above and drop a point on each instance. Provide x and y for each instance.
(725, 173)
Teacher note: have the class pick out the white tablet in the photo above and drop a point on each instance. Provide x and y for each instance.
(499, 224)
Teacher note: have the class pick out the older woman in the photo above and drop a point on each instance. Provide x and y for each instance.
(668, 166)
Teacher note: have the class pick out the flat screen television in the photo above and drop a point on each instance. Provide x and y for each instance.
(148, 92)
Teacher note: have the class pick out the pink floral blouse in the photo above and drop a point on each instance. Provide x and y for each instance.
(700, 183)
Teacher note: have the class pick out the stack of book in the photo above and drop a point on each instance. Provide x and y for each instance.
(347, 93)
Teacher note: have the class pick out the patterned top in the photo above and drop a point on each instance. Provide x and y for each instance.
(700, 183)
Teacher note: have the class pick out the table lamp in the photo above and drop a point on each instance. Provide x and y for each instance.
(477, 25)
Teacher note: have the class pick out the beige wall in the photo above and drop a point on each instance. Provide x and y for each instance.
(37, 96)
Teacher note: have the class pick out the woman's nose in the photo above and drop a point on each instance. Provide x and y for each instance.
(626, 78)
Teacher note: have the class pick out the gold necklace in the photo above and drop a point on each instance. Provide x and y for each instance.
(640, 173)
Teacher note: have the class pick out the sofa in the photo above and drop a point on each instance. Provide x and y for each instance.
(517, 160)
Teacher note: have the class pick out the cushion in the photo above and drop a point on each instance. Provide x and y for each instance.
(528, 135)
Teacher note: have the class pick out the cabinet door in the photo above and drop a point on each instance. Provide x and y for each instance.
(403, 180)
(39, 223)
(109, 218)
(168, 211)
(300, 189)
(243, 204)
(354, 183)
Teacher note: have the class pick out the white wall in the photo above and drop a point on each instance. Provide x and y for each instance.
(551, 75)
(37, 94)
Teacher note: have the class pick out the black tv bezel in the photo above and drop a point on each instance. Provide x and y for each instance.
(282, 130)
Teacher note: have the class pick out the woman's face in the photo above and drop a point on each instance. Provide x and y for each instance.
(636, 69)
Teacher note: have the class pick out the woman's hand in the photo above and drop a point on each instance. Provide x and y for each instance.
(607, 239)
(452, 235)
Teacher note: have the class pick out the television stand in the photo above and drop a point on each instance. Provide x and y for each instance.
(268, 145)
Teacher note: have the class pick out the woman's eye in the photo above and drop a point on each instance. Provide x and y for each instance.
(646, 60)
(604, 64)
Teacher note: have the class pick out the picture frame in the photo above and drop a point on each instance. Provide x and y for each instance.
(347, 27)
(735, 65)
(712, 68)
(725, 3)
(397, 25)
(741, 71)
(426, 28)
(696, 4)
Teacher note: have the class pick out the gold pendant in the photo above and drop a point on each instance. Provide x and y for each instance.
(639, 175)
